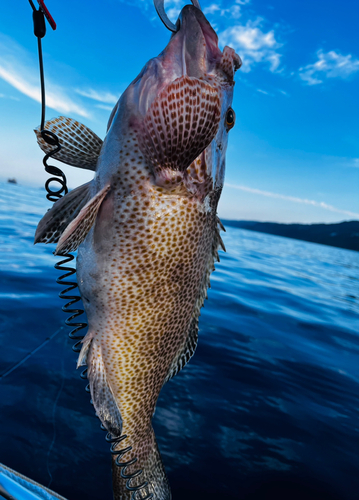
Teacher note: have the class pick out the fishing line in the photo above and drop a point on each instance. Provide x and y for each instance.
(22, 361)
(54, 408)
(53, 193)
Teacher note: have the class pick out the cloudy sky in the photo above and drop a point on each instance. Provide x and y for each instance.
(293, 154)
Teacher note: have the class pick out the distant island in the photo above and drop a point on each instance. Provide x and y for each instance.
(342, 235)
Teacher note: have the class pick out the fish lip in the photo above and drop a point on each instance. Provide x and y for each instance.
(199, 42)
(187, 20)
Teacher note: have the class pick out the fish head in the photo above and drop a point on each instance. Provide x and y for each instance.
(179, 106)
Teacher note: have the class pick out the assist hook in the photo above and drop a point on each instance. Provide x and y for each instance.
(160, 8)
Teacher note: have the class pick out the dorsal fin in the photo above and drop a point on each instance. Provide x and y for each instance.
(80, 147)
(186, 352)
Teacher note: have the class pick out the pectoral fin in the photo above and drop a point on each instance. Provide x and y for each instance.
(77, 230)
(80, 147)
(55, 221)
(172, 137)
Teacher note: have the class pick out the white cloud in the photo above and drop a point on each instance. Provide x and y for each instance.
(232, 12)
(56, 97)
(173, 8)
(104, 106)
(173, 13)
(269, 194)
(252, 44)
(211, 9)
(96, 95)
(4, 96)
(15, 71)
(329, 65)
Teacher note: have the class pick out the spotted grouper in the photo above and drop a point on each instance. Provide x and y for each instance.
(147, 231)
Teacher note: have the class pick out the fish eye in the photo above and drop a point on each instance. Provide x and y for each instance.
(230, 118)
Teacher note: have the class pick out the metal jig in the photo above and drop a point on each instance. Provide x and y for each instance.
(53, 195)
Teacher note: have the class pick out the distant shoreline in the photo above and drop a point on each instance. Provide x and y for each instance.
(341, 235)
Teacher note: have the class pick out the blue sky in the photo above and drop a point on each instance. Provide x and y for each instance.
(293, 154)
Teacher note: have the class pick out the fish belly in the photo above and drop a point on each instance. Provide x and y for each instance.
(141, 271)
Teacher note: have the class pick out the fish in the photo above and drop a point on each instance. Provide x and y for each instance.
(147, 232)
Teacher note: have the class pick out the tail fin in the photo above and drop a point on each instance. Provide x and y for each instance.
(141, 442)
(153, 472)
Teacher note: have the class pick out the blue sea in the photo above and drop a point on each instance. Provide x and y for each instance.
(266, 409)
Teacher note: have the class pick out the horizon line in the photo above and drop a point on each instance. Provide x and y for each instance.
(294, 199)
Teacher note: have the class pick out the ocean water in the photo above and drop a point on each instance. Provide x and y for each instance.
(267, 408)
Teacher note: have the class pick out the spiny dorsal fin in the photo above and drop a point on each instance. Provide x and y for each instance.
(187, 350)
(219, 222)
(77, 230)
(80, 147)
(64, 210)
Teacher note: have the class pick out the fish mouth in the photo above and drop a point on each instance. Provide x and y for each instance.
(200, 52)
(192, 51)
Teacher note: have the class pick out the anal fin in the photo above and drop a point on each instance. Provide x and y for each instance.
(101, 393)
(77, 230)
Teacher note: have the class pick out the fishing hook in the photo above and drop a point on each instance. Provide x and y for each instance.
(160, 8)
